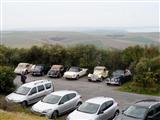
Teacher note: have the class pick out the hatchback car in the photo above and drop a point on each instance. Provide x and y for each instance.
(99, 108)
(57, 103)
(142, 110)
(30, 93)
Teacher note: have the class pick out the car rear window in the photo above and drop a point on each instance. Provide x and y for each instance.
(48, 85)
(40, 88)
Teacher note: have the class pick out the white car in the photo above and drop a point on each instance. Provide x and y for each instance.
(30, 93)
(100, 72)
(98, 108)
(57, 103)
(23, 67)
(75, 73)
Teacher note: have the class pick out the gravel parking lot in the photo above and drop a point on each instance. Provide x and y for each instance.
(92, 89)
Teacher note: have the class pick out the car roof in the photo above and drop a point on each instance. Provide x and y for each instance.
(63, 92)
(147, 103)
(23, 63)
(100, 67)
(36, 83)
(99, 100)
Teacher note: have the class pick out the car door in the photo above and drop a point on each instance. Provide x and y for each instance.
(101, 114)
(41, 92)
(64, 104)
(72, 100)
(107, 111)
(154, 113)
(49, 88)
(32, 96)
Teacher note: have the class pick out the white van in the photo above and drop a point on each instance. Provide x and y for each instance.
(32, 92)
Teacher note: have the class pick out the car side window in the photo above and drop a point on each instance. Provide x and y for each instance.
(103, 107)
(151, 113)
(71, 96)
(64, 99)
(109, 104)
(33, 91)
(40, 88)
(48, 85)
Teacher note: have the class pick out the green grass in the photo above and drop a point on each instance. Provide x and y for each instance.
(147, 91)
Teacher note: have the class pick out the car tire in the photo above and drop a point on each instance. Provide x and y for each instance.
(24, 104)
(89, 80)
(60, 75)
(54, 115)
(77, 77)
(120, 83)
(78, 104)
(116, 114)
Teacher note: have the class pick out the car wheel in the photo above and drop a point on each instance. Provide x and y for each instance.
(26, 72)
(101, 79)
(77, 77)
(24, 103)
(89, 80)
(78, 104)
(60, 75)
(116, 113)
(120, 83)
(55, 115)
(42, 74)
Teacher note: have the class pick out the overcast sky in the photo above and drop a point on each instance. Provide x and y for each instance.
(27, 15)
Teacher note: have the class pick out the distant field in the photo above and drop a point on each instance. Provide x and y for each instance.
(102, 40)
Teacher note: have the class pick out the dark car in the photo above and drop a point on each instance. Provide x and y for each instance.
(119, 77)
(56, 71)
(142, 110)
(39, 69)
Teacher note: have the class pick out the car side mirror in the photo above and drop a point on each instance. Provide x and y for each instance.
(100, 112)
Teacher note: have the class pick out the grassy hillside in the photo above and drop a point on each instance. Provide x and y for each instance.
(101, 40)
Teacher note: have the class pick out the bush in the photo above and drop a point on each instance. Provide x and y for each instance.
(6, 79)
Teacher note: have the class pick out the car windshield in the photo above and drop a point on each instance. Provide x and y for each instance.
(22, 90)
(90, 108)
(118, 73)
(74, 69)
(51, 99)
(135, 112)
(22, 65)
(38, 67)
(98, 70)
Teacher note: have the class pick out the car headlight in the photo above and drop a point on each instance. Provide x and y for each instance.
(46, 111)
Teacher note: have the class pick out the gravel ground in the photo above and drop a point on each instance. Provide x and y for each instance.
(92, 89)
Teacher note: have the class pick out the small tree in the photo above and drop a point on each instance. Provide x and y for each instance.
(6, 79)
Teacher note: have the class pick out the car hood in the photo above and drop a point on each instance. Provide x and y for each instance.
(97, 73)
(15, 97)
(70, 73)
(122, 117)
(41, 106)
(76, 115)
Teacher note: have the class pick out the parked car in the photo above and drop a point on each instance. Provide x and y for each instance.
(100, 72)
(56, 71)
(39, 69)
(57, 103)
(141, 110)
(99, 108)
(75, 73)
(30, 93)
(119, 77)
(23, 67)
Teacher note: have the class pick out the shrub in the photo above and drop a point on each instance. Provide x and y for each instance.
(6, 79)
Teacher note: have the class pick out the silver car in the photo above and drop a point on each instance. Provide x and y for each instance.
(31, 92)
(57, 103)
(99, 108)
